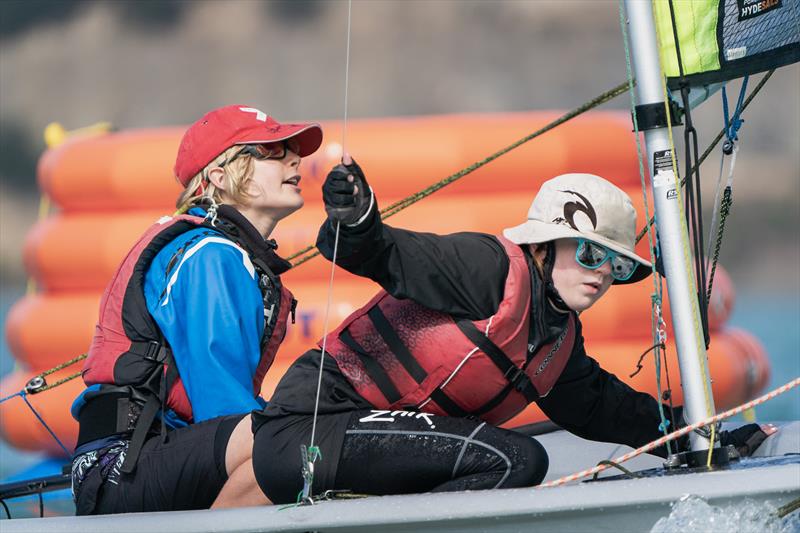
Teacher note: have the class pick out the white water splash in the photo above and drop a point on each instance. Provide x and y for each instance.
(692, 513)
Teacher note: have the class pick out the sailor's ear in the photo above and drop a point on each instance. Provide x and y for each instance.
(538, 251)
(217, 177)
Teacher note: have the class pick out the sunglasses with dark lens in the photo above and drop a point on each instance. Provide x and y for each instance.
(592, 256)
(260, 152)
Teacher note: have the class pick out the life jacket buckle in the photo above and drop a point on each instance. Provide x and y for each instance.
(518, 378)
(155, 352)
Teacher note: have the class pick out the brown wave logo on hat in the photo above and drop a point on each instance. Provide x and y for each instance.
(570, 208)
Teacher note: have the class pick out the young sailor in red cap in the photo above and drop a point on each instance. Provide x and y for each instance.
(468, 329)
(190, 324)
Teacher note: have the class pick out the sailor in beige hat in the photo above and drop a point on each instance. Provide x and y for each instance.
(468, 330)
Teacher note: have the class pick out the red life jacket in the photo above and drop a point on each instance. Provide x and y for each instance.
(128, 348)
(398, 354)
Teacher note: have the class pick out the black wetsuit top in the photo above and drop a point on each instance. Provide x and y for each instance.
(464, 275)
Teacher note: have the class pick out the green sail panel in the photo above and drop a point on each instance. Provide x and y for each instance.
(726, 39)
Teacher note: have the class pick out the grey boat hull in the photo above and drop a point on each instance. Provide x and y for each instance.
(611, 505)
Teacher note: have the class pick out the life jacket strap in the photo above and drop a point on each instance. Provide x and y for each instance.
(396, 345)
(373, 368)
(146, 418)
(515, 375)
(151, 350)
(406, 359)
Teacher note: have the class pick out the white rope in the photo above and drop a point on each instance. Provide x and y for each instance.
(309, 459)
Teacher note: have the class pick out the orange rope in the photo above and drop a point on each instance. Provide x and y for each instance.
(674, 435)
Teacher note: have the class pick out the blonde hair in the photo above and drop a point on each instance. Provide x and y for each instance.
(238, 174)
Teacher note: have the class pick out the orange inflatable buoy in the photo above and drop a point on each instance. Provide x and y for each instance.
(737, 363)
(46, 329)
(105, 238)
(20, 427)
(111, 187)
(400, 156)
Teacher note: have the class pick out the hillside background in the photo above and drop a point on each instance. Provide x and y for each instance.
(147, 63)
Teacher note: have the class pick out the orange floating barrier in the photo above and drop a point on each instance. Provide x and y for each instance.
(737, 363)
(624, 312)
(20, 427)
(133, 169)
(105, 238)
(45, 329)
(51, 248)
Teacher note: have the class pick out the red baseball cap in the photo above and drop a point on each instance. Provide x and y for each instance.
(227, 126)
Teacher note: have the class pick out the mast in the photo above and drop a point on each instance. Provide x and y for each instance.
(671, 222)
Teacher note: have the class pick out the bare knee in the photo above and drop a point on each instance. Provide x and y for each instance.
(240, 446)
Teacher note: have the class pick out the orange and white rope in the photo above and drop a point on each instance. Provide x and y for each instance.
(674, 435)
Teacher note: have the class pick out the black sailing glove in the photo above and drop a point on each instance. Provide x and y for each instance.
(746, 439)
(346, 194)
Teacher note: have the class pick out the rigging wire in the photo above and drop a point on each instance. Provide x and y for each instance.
(702, 327)
(730, 147)
(312, 453)
(711, 146)
(657, 325)
(694, 215)
(788, 508)
(618, 467)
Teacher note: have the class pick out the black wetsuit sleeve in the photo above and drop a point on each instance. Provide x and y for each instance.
(462, 274)
(593, 404)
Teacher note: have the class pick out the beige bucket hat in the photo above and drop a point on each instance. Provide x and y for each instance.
(583, 205)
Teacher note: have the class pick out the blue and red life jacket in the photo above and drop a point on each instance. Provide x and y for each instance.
(129, 356)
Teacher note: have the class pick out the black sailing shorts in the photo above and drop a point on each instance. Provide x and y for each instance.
(185, 472)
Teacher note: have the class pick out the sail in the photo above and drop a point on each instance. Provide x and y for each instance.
(726, 39)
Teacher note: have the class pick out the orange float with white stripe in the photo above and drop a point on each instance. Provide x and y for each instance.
(133, 169)
(623, 314)
(737, 364)
(111, 187)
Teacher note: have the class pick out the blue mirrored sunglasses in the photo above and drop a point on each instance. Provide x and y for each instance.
(592, 256)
